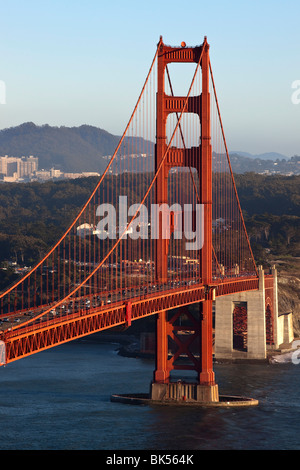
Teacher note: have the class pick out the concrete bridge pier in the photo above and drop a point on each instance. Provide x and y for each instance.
(181, 392)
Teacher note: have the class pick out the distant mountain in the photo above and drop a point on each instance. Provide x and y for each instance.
(285, 166)
(79, 149)
(72, 149)
(261, 156)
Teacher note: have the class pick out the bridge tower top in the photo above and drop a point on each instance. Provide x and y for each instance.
(180, 53)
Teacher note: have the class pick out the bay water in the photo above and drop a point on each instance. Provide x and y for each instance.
(59, 399)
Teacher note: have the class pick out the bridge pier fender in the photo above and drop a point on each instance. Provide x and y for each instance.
(207, 393)
(184, 392)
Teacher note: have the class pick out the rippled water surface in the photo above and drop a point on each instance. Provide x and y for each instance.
(60, 399)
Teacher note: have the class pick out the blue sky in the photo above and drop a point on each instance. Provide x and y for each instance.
(84, 62)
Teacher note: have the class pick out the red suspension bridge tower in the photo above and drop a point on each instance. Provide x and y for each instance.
(200, 158)
(103, 274)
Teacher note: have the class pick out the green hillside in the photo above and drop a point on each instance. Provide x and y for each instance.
(71, 149)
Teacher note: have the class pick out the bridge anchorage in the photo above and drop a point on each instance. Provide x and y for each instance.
(192, 254)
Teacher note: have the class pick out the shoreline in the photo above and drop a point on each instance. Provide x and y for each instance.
(128, 345)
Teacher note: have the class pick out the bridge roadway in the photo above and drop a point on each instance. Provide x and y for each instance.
(23, 339)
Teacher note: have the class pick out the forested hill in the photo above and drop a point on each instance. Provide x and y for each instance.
(34, 215)
(275, 194)
(71, 149)
(81, 149)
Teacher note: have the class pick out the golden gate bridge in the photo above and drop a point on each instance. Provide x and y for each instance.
(110, 271)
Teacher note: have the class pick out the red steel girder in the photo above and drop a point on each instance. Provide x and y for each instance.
(25, 341)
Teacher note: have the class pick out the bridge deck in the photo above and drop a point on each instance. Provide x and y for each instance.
(22, 341)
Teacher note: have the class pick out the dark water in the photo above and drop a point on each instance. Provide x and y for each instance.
(60, 400)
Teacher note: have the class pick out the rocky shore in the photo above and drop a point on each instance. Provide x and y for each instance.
(289, 298)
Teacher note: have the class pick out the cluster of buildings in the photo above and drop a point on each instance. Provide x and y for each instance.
(25, 169)
(14, 168)
(43, 175)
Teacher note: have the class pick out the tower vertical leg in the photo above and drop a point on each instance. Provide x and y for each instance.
(161, 373)
(206, 376)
